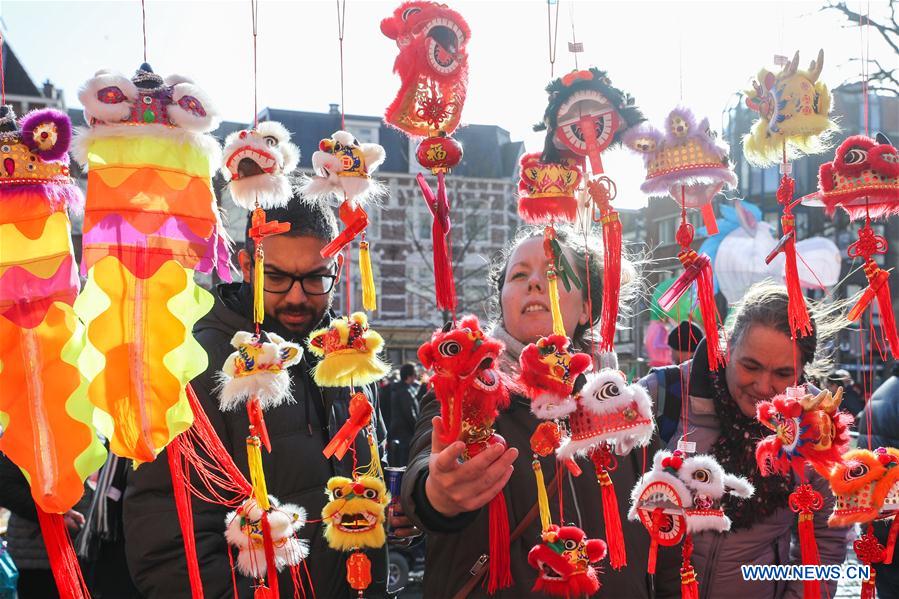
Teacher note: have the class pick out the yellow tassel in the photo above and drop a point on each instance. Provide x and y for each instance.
(258, 292)
(542, 499)
(558, 325)
(257, 475)
(374, 468)
(368, 281)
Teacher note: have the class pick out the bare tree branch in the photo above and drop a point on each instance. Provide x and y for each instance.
(887, 31)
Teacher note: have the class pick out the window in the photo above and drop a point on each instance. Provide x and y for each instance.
(770, 179)
(667, 229)
(365, 132)
(414, 167)
(477, 222)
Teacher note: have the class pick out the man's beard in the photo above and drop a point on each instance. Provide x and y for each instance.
(300, 331)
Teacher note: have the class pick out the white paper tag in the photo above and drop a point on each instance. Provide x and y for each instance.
(113, 493)
(686, 446)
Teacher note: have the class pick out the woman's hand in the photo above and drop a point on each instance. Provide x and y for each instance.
(454, 487)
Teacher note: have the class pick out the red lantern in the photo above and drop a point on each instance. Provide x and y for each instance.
(358, 571)
(439, 153)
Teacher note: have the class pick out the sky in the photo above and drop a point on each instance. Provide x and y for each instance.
(698, 54)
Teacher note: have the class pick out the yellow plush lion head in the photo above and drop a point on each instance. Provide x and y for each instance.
(354, 516)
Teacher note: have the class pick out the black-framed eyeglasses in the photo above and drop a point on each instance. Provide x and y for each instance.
(312, 284)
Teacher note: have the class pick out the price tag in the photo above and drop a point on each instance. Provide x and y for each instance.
(686, 446)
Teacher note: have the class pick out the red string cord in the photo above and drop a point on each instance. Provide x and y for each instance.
(2, 71)
(341, 20)
(254, 15)
(143, 19)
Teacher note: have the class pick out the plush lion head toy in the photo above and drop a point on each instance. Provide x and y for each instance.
(244, 531)
(690, 490)
(433, 67)
(866, 486)
(548, 373)
(609, 411)
(349, 352)
(793, 108)
(354, 515)
(257, 162)
(464, 381)
(258, 368)
(807, 428)
(564, 559)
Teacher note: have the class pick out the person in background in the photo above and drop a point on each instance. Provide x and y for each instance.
(720, 412)
(448, 498)
(298, 284)
(655, 341)
(884, 419)
(683, 341)
(24, 540)
(853, 402)
(403, 414)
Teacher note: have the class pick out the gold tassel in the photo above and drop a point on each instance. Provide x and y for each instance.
(368, 281)
(257, 475)
(558, 325)
(258, 292)
(375, 467)
(542, 499)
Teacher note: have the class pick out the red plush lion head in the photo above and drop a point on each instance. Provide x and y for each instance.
(563, 560)
(432, 65)
(465, 382)
(862, 179)
(548, 372)
(807, 428)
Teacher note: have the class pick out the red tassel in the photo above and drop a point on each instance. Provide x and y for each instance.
(185, 516)
(698, 268)
(879, 288)
(614, 534)
(602, 457)
(202, 435)
(800, 321)
(360, 417)
(708, 219)
(444, 283)
(891, 541)
(689, 587)
(264, 592)
(63, 562)
(805, 500)
(657, 516)
(868, 589)
(500, 573)
(271, 568)
(355, 219)
(869, 551)
(602, 190)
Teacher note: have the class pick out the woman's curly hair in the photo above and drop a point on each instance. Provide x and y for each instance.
(583, 248)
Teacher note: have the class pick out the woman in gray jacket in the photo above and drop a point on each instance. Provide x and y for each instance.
(721, 421)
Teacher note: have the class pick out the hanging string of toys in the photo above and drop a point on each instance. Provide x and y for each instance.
(433, 68)
(46, 416)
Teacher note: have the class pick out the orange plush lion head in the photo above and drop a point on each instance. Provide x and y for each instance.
(866, 486)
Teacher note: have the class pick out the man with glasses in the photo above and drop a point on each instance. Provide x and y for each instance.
(298, 285)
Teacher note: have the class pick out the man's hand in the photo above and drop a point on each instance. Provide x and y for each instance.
(402, 530)
(453, 487)
(74, 521)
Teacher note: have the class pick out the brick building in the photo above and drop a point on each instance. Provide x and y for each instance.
(482, 192)
(758, 186)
